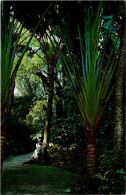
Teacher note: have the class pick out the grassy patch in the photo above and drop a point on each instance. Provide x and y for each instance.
(37, 179)
(9, 158)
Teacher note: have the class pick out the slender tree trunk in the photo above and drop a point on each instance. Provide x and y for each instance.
(119, 93)
(4, 117)
(90, 154)
(49, 110)
(59, 111)
(3, 142)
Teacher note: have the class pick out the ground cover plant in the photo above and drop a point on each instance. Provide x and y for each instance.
(36, 179)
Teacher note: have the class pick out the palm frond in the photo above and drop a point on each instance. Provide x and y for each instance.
(91, 90)
(8, 49)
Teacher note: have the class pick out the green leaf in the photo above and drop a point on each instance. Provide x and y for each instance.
(92, 90)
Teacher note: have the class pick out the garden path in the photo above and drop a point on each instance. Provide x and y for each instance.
(16, 161)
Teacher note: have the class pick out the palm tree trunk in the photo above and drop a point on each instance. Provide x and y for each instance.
(4, 117)
(91, 159)
(90, 155)
(49, 110)
(119, 93)
(3, 142)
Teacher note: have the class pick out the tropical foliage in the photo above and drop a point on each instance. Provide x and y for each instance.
(63, 85)
(12, 31)
(92, 86)
(9, 49)
(91, 81)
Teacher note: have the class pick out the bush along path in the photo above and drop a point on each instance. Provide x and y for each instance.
(19, 178)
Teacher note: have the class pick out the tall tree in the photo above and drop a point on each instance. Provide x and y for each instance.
(47, 46)
(91, 87)
(119, 92)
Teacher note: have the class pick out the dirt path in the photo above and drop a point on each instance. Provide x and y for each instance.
(16, 161)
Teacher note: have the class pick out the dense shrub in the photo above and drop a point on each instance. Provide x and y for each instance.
(79, 187)
(74, 161)
(66, 127)
(56, 154)
(111, 182)
(70, 159)
(69, 132)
